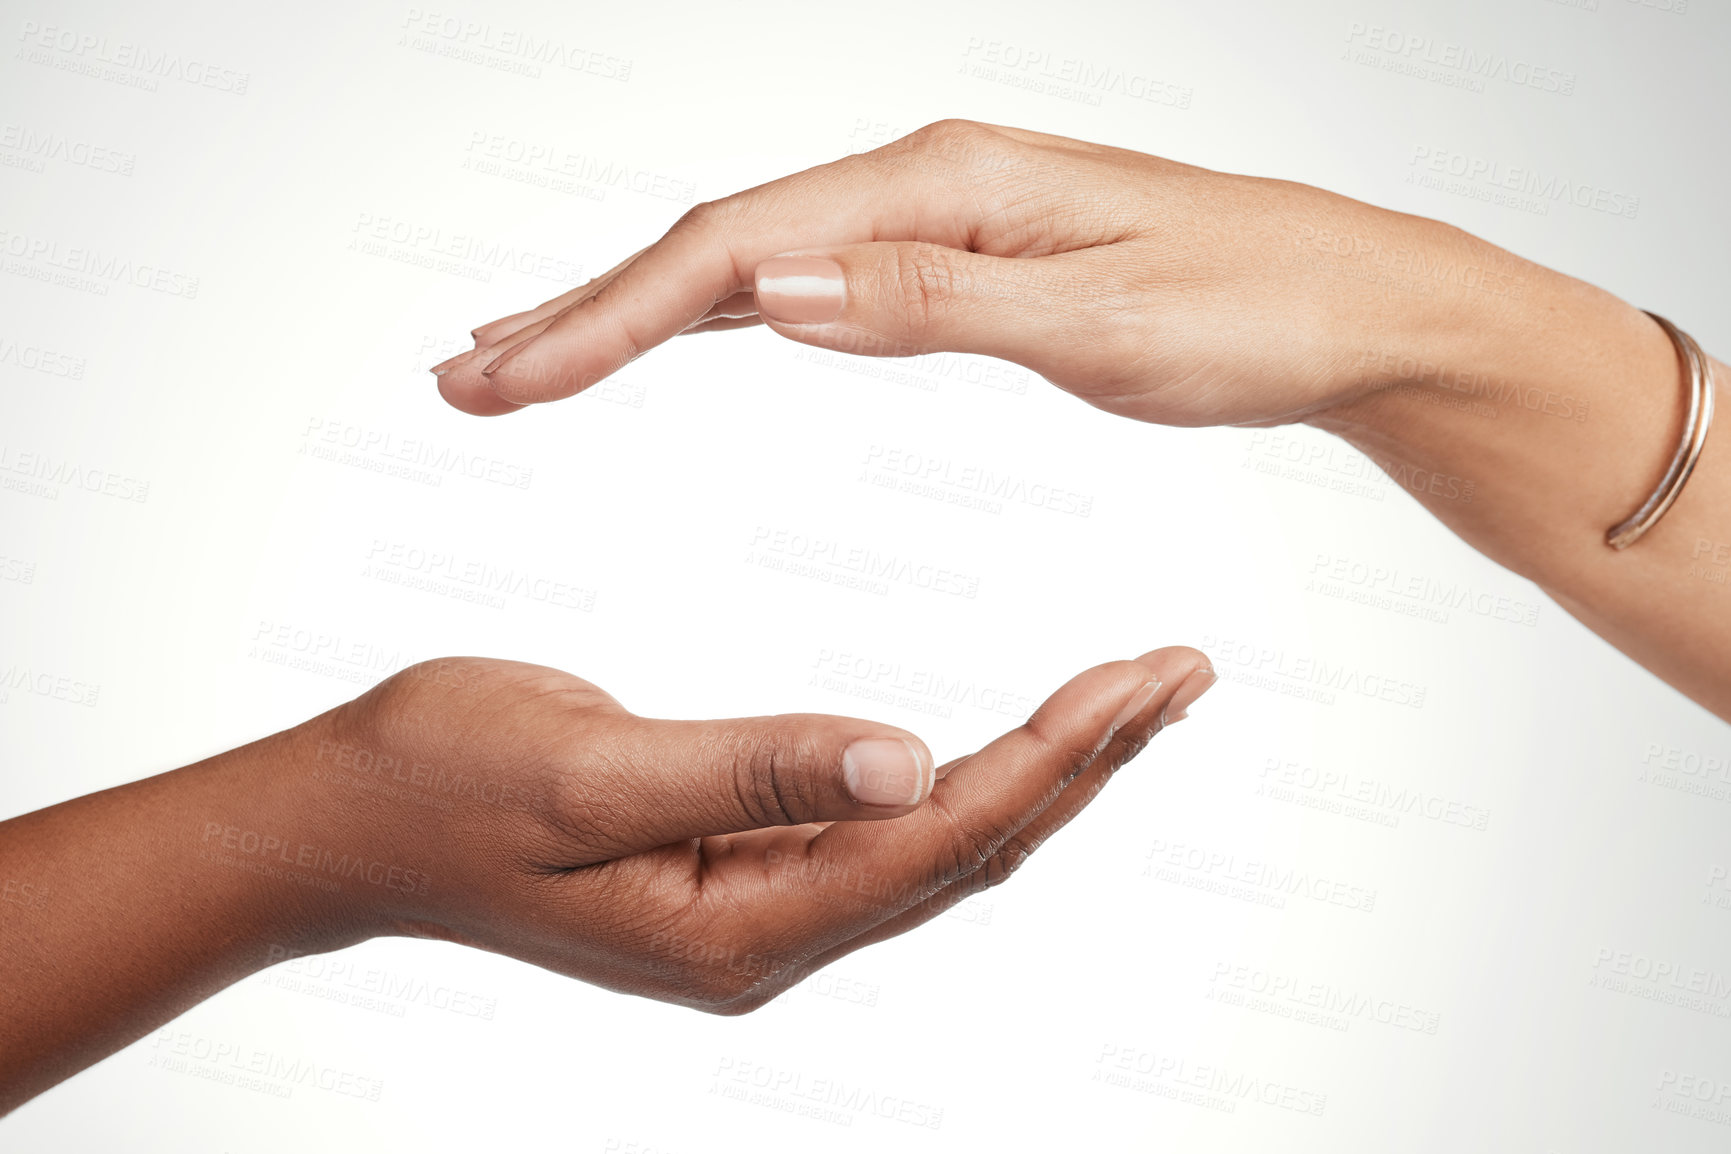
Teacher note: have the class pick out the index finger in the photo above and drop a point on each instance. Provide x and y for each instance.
(874, 871)
(710, 253)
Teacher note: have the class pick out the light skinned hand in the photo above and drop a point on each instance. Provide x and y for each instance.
(1528, 410)
(1151, 289)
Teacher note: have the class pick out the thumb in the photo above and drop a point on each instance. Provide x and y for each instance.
(674, 780)
(903, 298)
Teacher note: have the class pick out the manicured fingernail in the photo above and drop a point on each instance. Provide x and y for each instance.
(508, 354)
(885, 771)
(1137, 703)
(800, 290)
(1192, 687)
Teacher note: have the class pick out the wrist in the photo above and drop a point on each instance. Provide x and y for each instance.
(360, 841)
(1529, 422)
(417, 784)
(272, 825)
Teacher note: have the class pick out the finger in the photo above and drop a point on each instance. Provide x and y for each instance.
(462, 382)
(815, 909)
(906, 298)
(495, 332)
(492, 356)
(710, 253)
(722, 323)
(1185, 669)
(657, 782)
(1190, 675)
(464, 387)
(736, 312)
(738, 305)
(979, 805)
(472, 396)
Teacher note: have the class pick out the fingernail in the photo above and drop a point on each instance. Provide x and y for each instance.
(800, 290)
(508, 354)
(1192, 687)
(885, 771)
(1137, 703)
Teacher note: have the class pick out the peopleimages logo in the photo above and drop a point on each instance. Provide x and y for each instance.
(1375, 796)
(1213, 1087)
(37, 359)
(1524, 179)
(103, 268)
(1301, 675)
(265, 847)
(83, 51)
(344, 980)
(56, 687)
(344, 442)
(410, 242)
(884, 679)
(470, 578)
(523, 51)
(249, 1068)
(1328, 1000)
(794, 1092)
(1087, 78)
(1662, 979)
(1414, 594)
(555, 160)
(55, 471)
(39, 147)
(1249, 879)
(1456, 64)
(808, 555)
(960, 483)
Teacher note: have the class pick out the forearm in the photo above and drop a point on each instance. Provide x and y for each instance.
(1532, 421)
(128, 907)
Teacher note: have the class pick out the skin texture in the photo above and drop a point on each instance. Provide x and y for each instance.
(1527, 410)
(707, 863)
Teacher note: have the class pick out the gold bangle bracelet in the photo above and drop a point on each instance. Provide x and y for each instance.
(1699, 375)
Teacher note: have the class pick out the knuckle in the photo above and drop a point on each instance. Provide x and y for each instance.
(925, 283)
(1056, 747)
(398, 697)
(1073, 762)
(950, 130)
(1133, 744)
(1006, 861)
(968, 844)
(767, 776)
(958, 150)
(705, 216)
(593, 815)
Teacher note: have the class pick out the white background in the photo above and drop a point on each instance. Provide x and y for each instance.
(1077, 1006)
